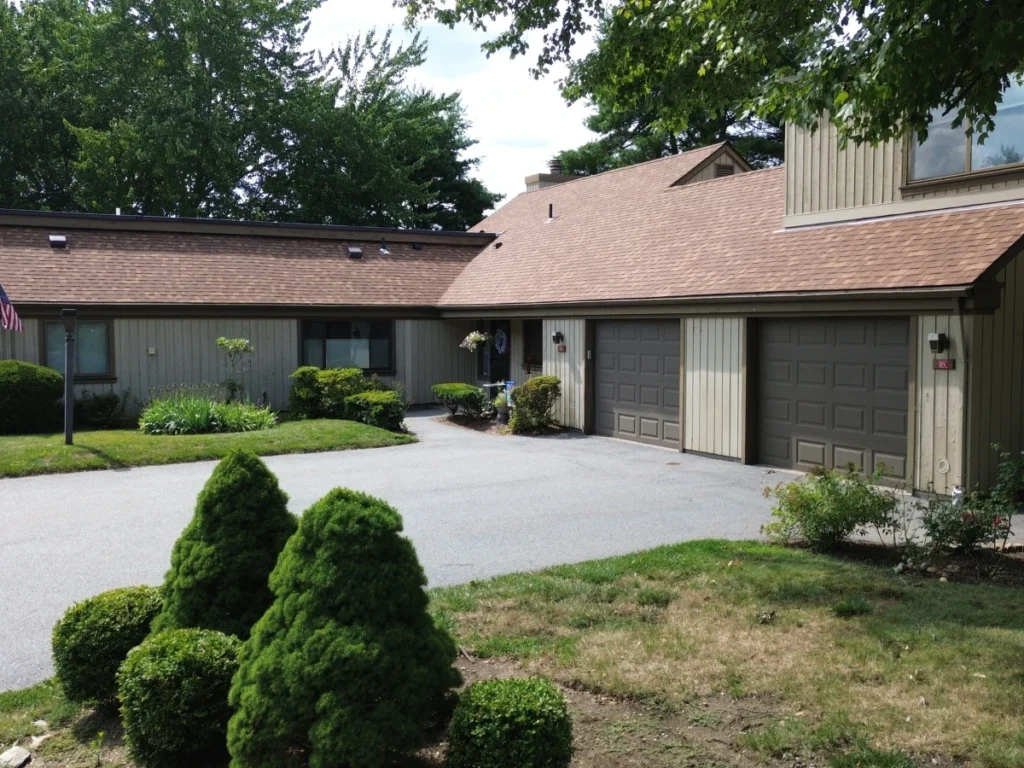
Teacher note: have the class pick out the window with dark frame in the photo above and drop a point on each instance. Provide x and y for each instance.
(365, 344)
(533, 345)
(92, 348)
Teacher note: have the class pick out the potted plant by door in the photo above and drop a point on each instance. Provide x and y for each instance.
(500, 404)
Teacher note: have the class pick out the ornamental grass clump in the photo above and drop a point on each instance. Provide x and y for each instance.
(93, 638)
(173, 690)
(346, 668)
(221, 563)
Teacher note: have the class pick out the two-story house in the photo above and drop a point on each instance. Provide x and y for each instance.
(857, 305)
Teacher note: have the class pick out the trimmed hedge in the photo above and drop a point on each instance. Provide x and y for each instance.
(322, 393)
(472, 401)
(533, 401)
(511, 724)
(173, 690)
(221, 562)
(29, 395)
(378, 409)
(346, 668)
(94, 636)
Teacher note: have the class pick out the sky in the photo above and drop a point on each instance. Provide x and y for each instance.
(520, 123)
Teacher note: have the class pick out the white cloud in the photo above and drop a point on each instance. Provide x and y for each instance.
(520, 122)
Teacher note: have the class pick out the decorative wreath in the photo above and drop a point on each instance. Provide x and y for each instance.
(501, 341)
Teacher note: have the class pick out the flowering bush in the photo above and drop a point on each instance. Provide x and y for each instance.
(474, 340)
(976, 521)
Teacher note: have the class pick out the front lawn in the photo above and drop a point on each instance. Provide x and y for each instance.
(113, 449)
(778, 652)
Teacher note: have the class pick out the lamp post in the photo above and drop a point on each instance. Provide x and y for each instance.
(69, 317)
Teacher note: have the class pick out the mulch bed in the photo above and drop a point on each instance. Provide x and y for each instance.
(985, 566)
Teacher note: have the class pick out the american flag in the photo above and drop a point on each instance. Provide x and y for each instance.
(9, 319)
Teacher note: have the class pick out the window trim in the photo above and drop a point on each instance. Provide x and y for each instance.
(83, 378)
(390, 370)
(955, 179)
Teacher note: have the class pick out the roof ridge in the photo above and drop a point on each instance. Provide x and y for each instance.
(632, 166)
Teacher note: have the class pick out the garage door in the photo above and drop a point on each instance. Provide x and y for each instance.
(637, 381)
(834, 392)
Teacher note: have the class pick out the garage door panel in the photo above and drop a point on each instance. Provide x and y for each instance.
(836, 393)
(642, 380)
(892, 465)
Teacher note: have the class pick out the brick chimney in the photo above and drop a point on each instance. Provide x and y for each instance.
(554, 176)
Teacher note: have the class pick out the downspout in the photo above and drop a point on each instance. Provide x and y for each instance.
(958, 307)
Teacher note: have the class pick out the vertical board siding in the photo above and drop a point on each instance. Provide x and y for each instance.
(997, 379)
(708, 173)
(569, 366)
(940, 429)
(184, 351)
(22, 346)
(428, 352)
(821, 176)
(713, 408)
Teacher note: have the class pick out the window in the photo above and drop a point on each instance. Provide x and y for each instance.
(949, 152)
(92, 348)
(533, 345)
(348, 344)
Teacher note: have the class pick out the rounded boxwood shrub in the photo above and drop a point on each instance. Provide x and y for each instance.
(533, 402)
(383, 409)
(455, 396)
(221, 564)
(511, 724)
(94, 636)
(28, 397)
(174, 697)
(346, 668)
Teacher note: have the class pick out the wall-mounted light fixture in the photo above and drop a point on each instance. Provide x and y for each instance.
(938, 343)
(557, 337)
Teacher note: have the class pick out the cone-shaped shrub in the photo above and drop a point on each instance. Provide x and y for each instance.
(346, 668)
(221, 564)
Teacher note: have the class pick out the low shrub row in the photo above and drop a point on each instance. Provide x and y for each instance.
(471, 401)
(195, 411)
(827, 507)
(278, 643)
(345, 393)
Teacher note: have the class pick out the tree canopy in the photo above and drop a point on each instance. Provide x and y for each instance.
(879, 69)
(191, 108)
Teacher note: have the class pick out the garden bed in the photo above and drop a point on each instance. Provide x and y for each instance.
(22, 455)
(714, 653)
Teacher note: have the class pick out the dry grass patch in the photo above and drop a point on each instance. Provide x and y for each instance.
(835, 655)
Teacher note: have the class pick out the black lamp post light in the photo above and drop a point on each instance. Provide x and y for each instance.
(69, 316)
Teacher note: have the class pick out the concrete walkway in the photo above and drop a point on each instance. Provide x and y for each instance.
(475, 505)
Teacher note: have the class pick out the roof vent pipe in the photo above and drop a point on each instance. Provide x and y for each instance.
(551, 210)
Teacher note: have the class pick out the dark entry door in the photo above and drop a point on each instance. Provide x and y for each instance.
(834, 392)
(637, 381)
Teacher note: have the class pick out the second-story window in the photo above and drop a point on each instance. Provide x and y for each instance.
(949, 151)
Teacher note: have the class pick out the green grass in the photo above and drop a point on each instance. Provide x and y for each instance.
(869, 659)
(22, 455)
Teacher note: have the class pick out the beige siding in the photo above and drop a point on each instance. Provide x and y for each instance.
(822, 177)
(965, 189)
(940, 426)
(714, 390)
(150, 354)
(21, 346)
(723, 158)
(518, 353)
(996, 386)
(569, 366)
(428, 353)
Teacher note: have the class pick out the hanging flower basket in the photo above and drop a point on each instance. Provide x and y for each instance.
(474, 340)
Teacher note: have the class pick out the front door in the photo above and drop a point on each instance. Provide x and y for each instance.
(494, 359)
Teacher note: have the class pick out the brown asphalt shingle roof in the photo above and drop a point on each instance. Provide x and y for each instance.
(629, 235)
(124, 267)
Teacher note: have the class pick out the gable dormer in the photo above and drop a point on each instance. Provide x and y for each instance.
(826, 183)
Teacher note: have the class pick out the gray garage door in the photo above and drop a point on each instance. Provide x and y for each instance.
(637, 381)
(834, 392)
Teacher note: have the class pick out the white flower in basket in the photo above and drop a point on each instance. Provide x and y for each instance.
(474, 340)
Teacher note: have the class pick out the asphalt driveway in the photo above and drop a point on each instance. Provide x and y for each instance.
(475, 505)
